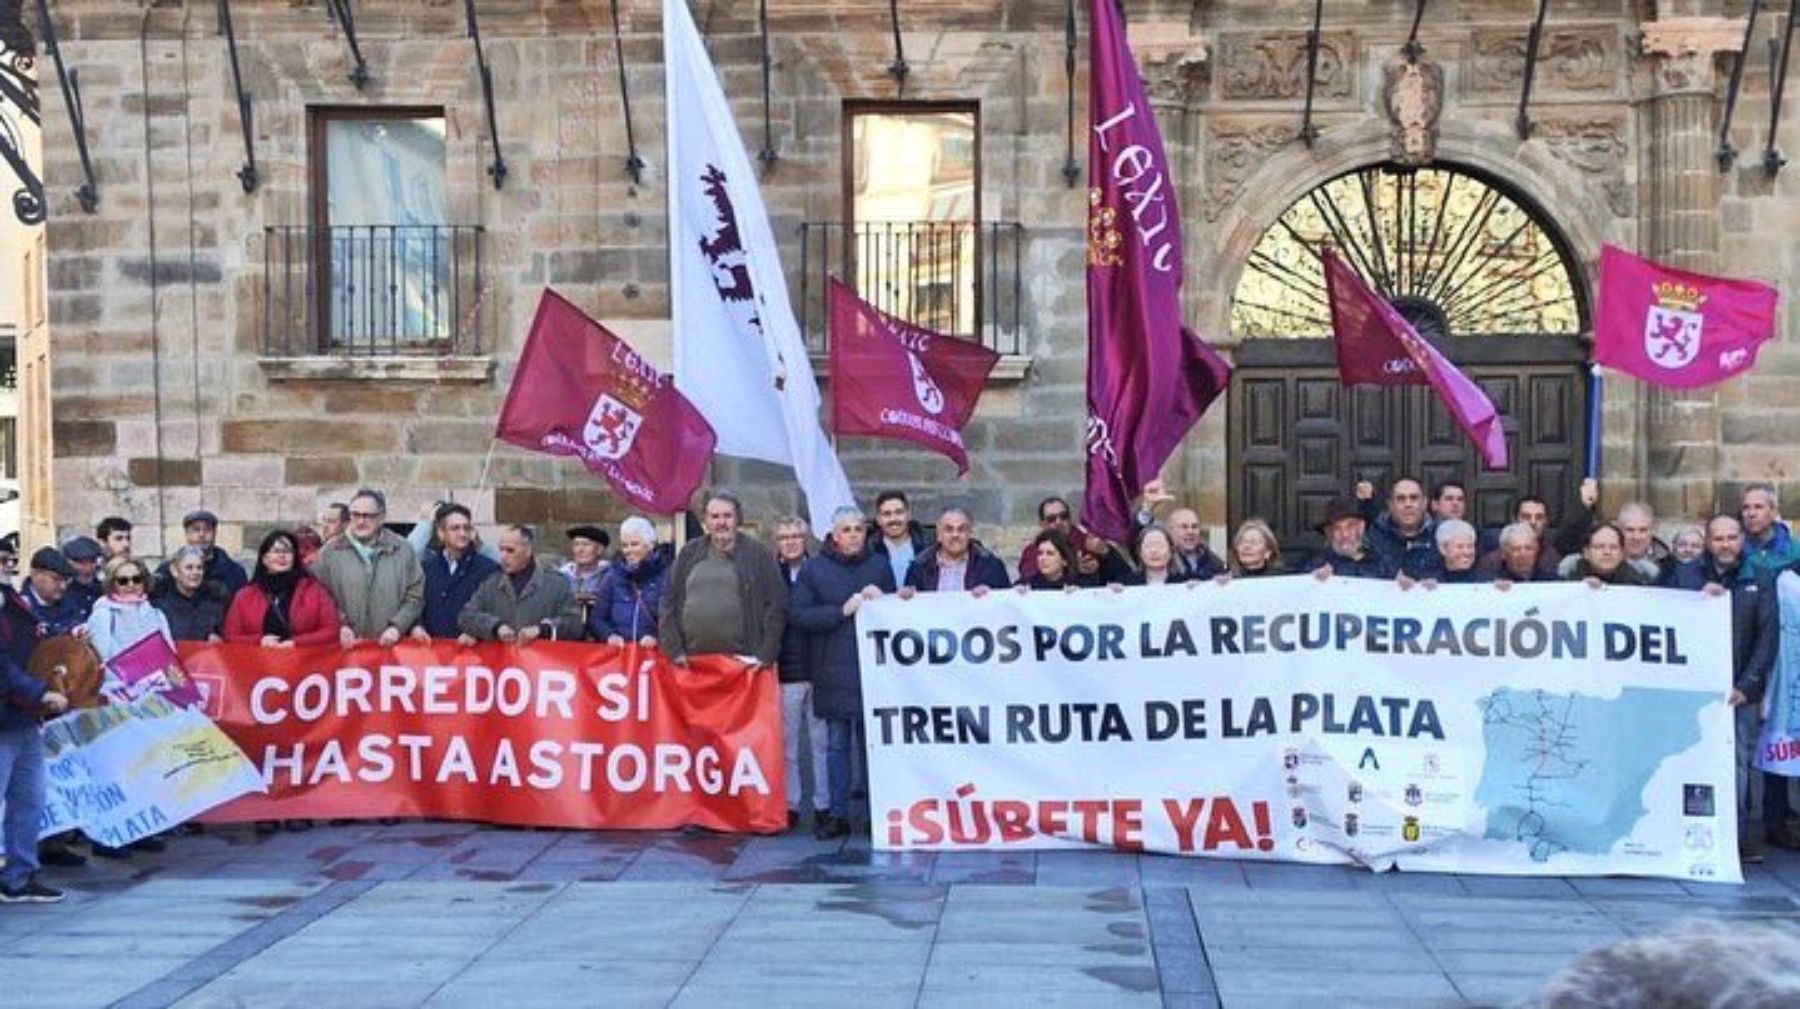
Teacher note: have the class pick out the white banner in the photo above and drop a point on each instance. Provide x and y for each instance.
(126, 771)
(739, 355)
(1549, 729)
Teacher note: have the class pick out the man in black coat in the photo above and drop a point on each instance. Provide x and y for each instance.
(1755, 637)
(1347, 554)
(958, 562)
(794, 666)
(829, 591)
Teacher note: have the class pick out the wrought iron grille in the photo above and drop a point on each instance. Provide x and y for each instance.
(372, 290)
(959, 278)
(1453, 252)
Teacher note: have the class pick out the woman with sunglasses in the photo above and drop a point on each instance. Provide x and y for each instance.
(124, 616)
(284, 605)
(121, 618)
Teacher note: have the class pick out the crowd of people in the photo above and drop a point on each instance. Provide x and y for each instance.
(791, 604)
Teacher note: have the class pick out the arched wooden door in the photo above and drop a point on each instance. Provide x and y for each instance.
(1481, 275)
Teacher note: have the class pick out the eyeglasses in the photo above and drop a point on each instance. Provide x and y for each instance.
(365, 516)
(124, 580)
(281, 548)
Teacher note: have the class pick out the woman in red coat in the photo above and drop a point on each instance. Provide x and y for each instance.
(284, 605)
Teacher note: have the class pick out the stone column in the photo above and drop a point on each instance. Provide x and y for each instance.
(1681, 228)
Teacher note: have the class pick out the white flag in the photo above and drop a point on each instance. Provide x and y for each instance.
(739, 355)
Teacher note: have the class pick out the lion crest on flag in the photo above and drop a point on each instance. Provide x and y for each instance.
(1672, 325)
(611, 428)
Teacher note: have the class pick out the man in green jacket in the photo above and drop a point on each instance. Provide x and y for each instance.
(373, 575)
(726, 594)
(523, 601)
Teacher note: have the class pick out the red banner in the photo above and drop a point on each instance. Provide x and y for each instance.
(891, 379)
(581, 391)
(550, 734)
(1674, 328)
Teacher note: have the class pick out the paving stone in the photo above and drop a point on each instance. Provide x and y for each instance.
(1257, 986)
(491, 982)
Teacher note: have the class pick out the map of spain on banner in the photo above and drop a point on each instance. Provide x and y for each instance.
(1549, 730)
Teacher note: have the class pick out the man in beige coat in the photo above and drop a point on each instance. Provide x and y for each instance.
(373, 575)
(523, 601)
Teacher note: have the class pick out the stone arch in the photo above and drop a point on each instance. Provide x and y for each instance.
(1565, 200)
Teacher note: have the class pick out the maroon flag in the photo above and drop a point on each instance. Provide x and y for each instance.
(1674, 328)
(1149, 378)
(584, 392)
(1377, 346)
(891, 379)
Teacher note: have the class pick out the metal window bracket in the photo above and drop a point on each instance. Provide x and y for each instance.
(1523, 123)
(18, 88)
(899, 68)
(340, 12)
(1309, 132)
(1412, 50)
(497, 170)
(634, 165)
(1772, 160)
(1727, 154)
(767, 155)
(246, 114)
(88, 195)
(1071, 170)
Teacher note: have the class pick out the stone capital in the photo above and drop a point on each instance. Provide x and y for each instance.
(1684, 49)
(1173, 61)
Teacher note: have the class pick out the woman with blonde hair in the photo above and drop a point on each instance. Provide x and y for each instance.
(1255, 552)
(124, 616)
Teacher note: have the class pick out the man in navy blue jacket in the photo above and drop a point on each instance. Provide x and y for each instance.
(22, 701)
(958, 562)
(454, 569)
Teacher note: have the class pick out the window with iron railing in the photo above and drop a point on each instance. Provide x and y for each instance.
(958, 278)
(914, 244)
(379, 271)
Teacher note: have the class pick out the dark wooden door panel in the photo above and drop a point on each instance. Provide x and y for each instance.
(1299, 438)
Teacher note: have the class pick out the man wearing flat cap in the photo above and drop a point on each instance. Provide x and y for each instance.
(83, 554)
(46, 595)
(1347, 554)
(587, 565)
(201, 529)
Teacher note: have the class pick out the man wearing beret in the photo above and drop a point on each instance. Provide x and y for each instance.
(587, 565)
(202, 529)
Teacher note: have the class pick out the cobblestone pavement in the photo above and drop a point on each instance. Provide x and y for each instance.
(443, 914)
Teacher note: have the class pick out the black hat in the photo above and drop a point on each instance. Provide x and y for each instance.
(82, 548)
(595, 533)
(202, 516)
(51, 559)
(1340, 508)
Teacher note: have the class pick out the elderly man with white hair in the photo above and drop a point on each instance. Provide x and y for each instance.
(832, 586)
(631, 591)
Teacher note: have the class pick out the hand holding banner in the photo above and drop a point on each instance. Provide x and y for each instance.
(891, 379)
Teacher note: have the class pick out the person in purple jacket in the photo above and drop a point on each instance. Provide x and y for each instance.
(631, 591)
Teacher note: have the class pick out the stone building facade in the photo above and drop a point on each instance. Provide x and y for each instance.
(168, 393)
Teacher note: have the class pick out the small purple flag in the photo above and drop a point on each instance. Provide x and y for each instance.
(1376, 346)
(1149, 378)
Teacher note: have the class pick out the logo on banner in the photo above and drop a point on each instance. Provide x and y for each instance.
(611, 427)
(1672, 325)
(930, 397)
(724, 251)
(1414, 795)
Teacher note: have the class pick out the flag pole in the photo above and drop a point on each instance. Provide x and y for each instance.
(486, 464)
(1596, 391)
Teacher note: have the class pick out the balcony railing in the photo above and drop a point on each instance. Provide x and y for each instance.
(960, 278)
(372, 290)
